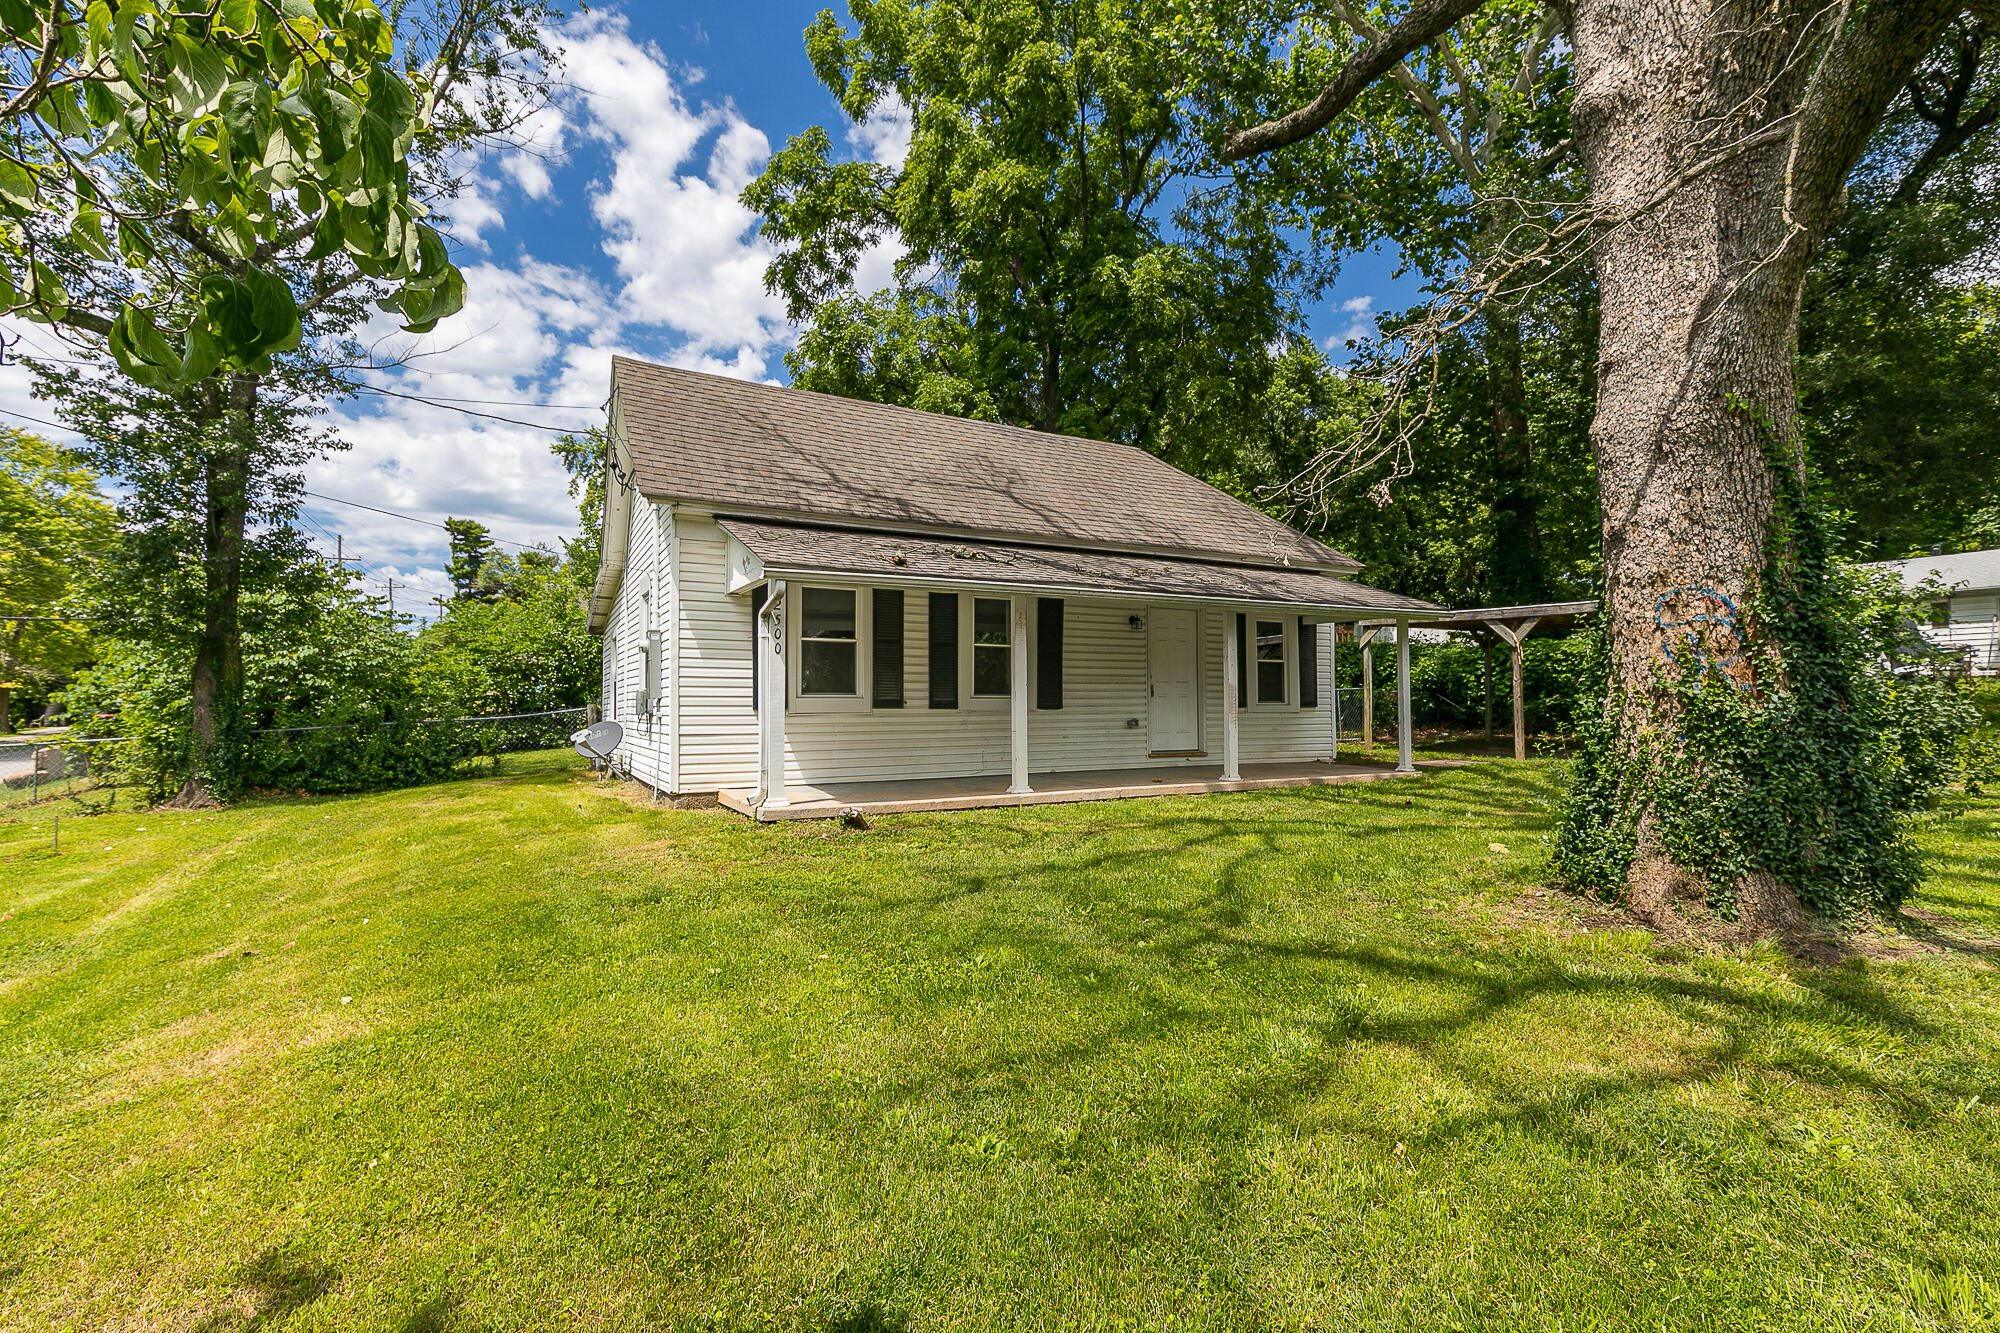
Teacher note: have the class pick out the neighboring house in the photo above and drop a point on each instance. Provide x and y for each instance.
(798, 588)
(1967, 618)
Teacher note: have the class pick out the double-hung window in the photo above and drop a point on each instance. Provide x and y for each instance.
(829, 643)
(992, 647)
(1271, 673)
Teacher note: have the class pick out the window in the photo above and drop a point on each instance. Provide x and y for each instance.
(829, 642)
(1270, 661)
(992, 646)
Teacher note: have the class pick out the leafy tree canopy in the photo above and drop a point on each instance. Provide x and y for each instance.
(53, 522)
(1060, 265)
(261, 125)
(1899, 365)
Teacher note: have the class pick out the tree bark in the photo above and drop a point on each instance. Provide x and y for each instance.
(215, 723)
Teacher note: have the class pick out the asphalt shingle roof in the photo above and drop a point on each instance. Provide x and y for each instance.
(893, 558)
(1968, 571)
(714, 441)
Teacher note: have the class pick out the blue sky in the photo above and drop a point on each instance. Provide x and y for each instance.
(613, 228)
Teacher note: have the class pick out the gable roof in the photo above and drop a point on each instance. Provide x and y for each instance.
(1968, 571)
(760, 450)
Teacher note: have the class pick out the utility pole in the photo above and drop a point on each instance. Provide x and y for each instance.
(392, 599)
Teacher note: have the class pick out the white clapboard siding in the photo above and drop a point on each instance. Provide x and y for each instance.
(645, 747)
(1973, 624)
(1104, 686)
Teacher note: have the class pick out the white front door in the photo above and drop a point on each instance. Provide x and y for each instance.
(1173, 658)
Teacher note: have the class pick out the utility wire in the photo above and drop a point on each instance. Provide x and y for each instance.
(489, 416)
(427, 522)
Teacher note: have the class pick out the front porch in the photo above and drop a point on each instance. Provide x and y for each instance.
(918, 795)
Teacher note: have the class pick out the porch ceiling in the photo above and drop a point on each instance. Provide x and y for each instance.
(790, 550)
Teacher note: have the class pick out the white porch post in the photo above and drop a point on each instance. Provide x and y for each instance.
(1403, 764)
(1017, 679)
(1231, 770)
(771, 690)
(1333, 689)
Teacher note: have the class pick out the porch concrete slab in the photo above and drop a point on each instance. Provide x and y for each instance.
(917, 795)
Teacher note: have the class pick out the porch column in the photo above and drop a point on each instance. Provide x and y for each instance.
(1231, 770)
(1333, 690)
(1403, 763)
(771, 690)
(1017, 679)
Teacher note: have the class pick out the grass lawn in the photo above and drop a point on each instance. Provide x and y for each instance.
(525, 1053)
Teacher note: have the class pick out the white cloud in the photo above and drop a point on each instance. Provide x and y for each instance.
(1360, 312)
(885, 136)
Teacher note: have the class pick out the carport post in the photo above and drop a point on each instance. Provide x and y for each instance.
(1403, 760)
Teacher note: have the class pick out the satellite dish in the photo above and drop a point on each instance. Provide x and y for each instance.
(598, 740)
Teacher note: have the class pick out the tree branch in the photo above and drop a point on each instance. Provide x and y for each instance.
(1865, 66)
(1426, 19)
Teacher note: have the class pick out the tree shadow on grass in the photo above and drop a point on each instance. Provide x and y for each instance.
(279, 1284)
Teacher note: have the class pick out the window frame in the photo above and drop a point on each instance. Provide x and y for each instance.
(796, 699)
(1287, 664)
(967, 601)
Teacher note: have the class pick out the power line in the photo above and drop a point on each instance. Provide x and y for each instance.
(486, 402)
(488, 416)
(412, 518)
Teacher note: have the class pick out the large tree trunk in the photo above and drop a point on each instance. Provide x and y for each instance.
(1701, 254)
(215, 723)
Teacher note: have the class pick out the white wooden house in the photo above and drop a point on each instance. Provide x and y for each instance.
(800, 591)
(1967, 615)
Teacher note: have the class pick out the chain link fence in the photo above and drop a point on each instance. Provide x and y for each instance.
(100, 772)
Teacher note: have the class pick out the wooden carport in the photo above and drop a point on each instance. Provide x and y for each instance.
(1486, 625)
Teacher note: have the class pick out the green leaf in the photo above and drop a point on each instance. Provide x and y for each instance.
(239, 16)
(17, 185)
(86, 231)
(275, 311)
(195, 79)
(329, 237)
(246, 114)
(18, 19)
(50, 294)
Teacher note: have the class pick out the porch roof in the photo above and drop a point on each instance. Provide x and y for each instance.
(785, 550)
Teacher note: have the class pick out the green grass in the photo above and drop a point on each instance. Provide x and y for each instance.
(523, 1053)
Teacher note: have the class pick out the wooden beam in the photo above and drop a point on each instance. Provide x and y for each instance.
(1513, 634)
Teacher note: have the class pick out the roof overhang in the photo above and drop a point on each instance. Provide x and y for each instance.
(759, 551)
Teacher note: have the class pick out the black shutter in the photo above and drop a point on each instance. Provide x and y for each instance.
(1048, 652)
(1308, 664)
(758, 596)
(888, 648)
(1242, 664)
(944, 650)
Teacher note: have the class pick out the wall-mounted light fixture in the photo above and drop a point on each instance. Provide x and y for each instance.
(1136, 622)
